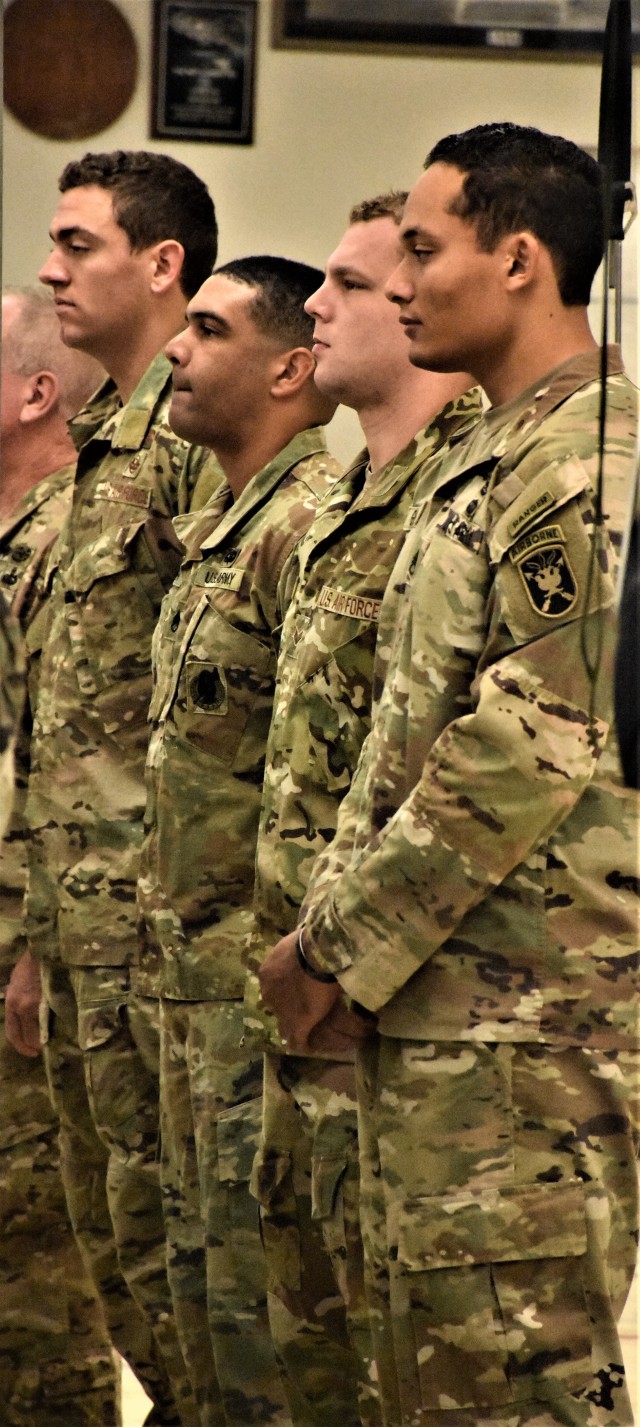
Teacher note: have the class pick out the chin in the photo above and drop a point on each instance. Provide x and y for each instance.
(430, 362)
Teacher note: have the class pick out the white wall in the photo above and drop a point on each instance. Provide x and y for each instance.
(330, 128)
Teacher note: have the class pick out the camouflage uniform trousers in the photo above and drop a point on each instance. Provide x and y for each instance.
(306, 1178)
(102, 1058)
(56, 1362)
(499, 1217)
(211, 1099)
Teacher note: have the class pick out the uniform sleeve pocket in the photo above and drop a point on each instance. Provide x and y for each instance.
(496, 1304)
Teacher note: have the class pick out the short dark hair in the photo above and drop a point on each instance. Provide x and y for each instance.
(155, 197)
(517, 177)
(281, 287)
(384, 205)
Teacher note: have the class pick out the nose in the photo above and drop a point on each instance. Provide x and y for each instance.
(53, 270)
(177, 350)
(314, 304)
(398, 287)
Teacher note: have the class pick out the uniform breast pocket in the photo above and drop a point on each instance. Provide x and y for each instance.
(113, 595)
(225, 690)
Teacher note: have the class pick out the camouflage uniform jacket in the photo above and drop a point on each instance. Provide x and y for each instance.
(490, 890)
(105, 580)
(25, 539)
(11, 700)
(215, 658)
(322, 709)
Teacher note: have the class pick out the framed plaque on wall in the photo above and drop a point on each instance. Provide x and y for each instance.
(566, 29)
(204, 59)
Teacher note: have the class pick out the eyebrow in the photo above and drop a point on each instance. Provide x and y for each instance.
(75, 231)
(207, 314)
(347, 270)
(408, 234)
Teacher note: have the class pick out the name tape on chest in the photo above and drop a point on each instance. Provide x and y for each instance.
(125, 491)
(219, 579)
(545, 571)
(355, 606)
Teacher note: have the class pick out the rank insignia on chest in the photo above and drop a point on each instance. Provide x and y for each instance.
(545, 571)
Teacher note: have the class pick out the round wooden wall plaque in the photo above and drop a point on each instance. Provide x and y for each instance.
(70, 66)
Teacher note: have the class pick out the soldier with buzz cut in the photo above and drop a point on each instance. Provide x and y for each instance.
(479, 900)
(56, 1363)
(133, 237)
(242, 385)
(321, 718)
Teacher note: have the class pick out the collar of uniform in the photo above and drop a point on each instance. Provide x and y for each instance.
(48, 486)
(124, 427)
(530, 406)
(502, 427)
(261, 486)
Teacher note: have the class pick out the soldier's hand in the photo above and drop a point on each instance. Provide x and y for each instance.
(298, 1002)
(22, 1004)
(342, 1031)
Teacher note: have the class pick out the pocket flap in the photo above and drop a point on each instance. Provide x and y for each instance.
(97, 1025)
(493, 1226)
(269, 1173)
(238, 1132)
(106, 556)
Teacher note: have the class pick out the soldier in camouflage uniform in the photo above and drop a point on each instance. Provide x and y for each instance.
(243, 384)
(480, 896)
(321, 717)
(11, 701)
(133, 235)
(56, 1363)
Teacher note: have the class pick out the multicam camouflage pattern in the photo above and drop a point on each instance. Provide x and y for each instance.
(56, 1364)
(215, 654)
(322, 716)
(305, 1178)
(323, 701)
(101, 1060)
(105, 580)
(211, 1097)
(487, 770)
(25, 538)
(498, 1204)
(481, 898)
(11, 702)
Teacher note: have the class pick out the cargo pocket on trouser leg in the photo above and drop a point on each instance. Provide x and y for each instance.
(122, 1091)
(491, 1284)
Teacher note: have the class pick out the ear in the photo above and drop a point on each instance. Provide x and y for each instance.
(522, 253)
(166, 259)
(291, 370)
(41, 396)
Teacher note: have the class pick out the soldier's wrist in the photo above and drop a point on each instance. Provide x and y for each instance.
(326, 977)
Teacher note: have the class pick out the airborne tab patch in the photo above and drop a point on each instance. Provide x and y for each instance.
(546, 574)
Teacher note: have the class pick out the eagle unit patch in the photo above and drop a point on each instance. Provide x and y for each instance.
(545, 571)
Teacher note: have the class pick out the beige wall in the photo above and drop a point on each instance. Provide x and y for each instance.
(329, 128)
